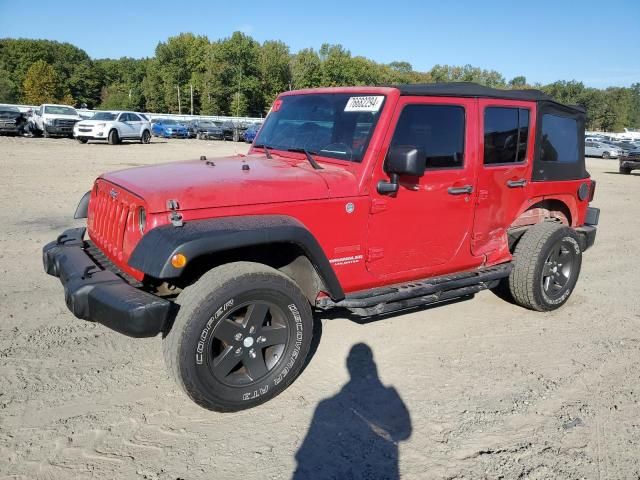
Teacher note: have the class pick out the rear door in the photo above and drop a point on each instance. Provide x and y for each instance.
(424, 229)
(506, 155)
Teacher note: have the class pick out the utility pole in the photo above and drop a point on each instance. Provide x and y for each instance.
(179, 107)
(191, 85)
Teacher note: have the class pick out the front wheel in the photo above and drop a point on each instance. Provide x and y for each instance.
(240, 337)
(82, 140)
(625, 170)
(547, 263)
(606, 155)
(114, 138)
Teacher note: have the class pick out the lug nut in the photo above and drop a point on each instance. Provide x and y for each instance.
(252, 329)
(261, 339)
(238, 351)
(252, 353)
(238, 336)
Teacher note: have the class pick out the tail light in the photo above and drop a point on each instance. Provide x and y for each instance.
(592, 193)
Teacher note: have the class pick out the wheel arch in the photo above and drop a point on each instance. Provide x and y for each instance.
(279, 241)
(541, 210)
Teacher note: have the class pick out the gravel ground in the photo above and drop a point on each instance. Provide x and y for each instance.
(477, 389)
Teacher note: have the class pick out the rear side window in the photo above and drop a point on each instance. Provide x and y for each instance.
(559, 139)
(436, 129)
(506, 135)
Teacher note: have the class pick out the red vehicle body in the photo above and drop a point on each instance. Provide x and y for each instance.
(441, 223)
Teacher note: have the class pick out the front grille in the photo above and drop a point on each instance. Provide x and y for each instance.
(105, 264)
(111, 213)
(634, 154)
(59, 122)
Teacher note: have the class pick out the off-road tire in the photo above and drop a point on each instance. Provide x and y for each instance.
(82, 140)
(114, 138)
(625, 170)
(533, 264)
(209, 307)
(146, 137)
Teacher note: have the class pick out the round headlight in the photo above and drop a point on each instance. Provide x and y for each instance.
(142, 219)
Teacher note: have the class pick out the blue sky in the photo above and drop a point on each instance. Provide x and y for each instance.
(594, 42)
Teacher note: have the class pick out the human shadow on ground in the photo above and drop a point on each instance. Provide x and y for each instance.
(355, 433)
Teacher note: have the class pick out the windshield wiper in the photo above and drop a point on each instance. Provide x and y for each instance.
(312, 160)
(266, 150)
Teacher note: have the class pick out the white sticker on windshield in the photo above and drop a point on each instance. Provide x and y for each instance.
(364, 104)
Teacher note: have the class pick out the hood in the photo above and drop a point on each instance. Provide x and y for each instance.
(194, 184)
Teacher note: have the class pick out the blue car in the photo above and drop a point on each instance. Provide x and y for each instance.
(250, 133)
(167, 128)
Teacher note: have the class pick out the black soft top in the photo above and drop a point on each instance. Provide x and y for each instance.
(474, 90)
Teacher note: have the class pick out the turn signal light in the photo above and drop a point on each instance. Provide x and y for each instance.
(178, 260)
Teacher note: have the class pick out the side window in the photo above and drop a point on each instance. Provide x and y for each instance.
(436, 129)
(123, 117)
(506, 135)
(134, 118)
(559, 139)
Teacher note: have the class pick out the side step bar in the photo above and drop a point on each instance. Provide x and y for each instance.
(421, 292)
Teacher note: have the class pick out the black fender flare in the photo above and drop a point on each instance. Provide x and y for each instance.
(152, 255)
(83, 206)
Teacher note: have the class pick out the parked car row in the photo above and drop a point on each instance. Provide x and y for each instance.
(595, 146)
(51, 120)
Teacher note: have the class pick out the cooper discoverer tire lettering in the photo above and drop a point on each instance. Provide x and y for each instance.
(240, 338)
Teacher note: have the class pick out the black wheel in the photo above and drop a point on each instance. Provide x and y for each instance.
(146, 137)
(45, 133)
(114, 138)
(625, 170)
(240, 338)
(547, 263)
(606, 155)
(82, 140)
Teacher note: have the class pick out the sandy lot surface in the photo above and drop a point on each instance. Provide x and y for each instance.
(481, 389)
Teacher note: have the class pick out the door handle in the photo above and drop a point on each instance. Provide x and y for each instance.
(516, 183)
(460, 190)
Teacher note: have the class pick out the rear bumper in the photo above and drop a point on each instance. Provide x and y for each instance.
(98, 295)
(587, 232)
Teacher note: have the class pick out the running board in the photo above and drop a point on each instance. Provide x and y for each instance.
(421, 292)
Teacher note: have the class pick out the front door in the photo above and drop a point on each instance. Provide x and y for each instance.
(504, 172)
(425, 228)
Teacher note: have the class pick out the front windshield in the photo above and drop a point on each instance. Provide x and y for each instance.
(335, 125)
(59, 110)
(9, 112)
(207, 124)
(104, 116)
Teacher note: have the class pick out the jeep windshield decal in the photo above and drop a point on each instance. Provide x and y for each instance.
(334, 125)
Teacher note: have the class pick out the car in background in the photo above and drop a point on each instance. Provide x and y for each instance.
(597, 149)
(54, 120)
(233, 131)
(630, 161)
(169, 128)
(250, 133)
(9, 123)
(114, 127)
(209, 130)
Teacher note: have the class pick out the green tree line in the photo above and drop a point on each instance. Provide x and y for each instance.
(240, 76)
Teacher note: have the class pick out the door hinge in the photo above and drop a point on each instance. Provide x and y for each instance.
(375, 253)
(378, 205)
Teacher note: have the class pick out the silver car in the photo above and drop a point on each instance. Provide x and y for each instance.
(596, 149)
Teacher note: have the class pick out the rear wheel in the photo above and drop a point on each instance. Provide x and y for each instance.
(625, 170)
(240, 338)
(146, 137)
(114, 138)
(606, 155)
(82, 140)
(547, 263)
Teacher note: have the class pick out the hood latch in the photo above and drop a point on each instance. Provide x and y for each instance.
(175, 217)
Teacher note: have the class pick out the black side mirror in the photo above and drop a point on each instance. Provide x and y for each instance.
(402, 160)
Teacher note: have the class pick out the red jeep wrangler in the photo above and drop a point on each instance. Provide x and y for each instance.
(373, 199)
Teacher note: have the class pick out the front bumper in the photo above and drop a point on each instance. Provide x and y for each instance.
(627, 162)
(56, 130)
(98, 295)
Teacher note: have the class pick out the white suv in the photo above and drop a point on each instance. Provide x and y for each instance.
(114, 127)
